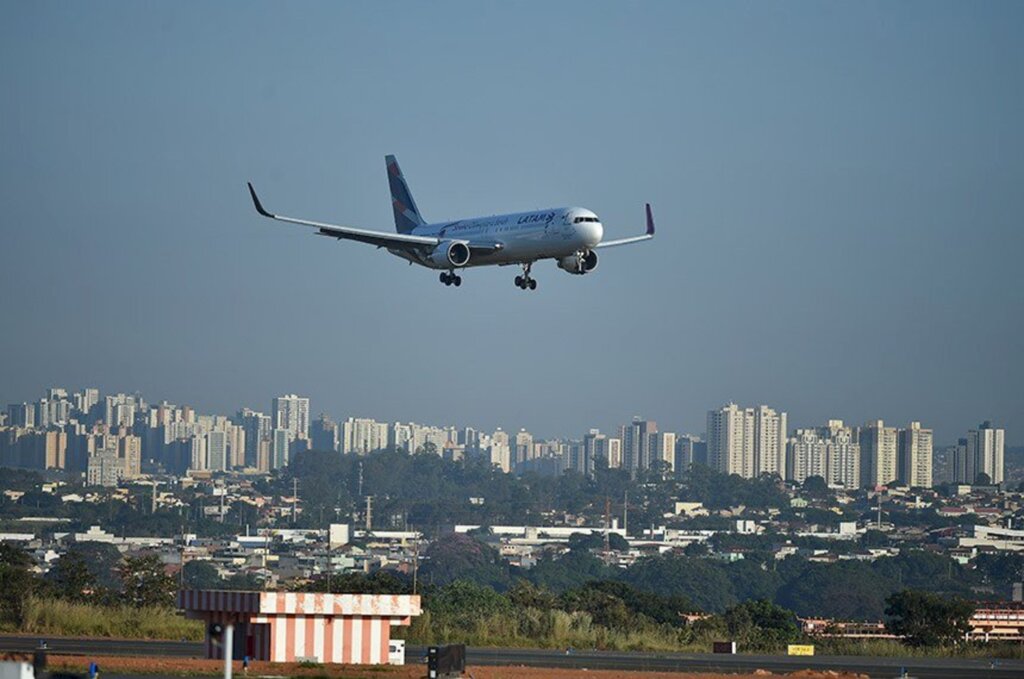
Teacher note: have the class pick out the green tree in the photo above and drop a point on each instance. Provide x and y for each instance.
(702, 581)
(71, 578)
(144, 582)
(874, 538)
(457, 556)
(103, 561)
(378, 582)
(524, 594)
(604, 607)
(572, 569)
(762, 624)
(617, 542)
(927, 619)
(847, 591)
(999, 570)
(463, 604)
(201, 575)
(815, 486)
(17, 583)
(586, 541)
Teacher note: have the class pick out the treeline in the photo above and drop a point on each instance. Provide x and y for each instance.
(88, 573)
(846, 590)
(429, 492)
(613, 615)
(131, 517)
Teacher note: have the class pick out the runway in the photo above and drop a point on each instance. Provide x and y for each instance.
(922, 668)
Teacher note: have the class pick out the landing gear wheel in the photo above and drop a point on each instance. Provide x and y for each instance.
(444, 278)
(524, 282)
(458, 281)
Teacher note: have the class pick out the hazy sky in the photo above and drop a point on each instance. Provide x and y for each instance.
(838, 188)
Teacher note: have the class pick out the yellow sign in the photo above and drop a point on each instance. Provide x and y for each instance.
(800, 649)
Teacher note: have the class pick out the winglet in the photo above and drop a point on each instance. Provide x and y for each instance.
(650, 218)
(256, 202)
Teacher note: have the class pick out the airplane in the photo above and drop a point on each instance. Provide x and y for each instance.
(569, 235)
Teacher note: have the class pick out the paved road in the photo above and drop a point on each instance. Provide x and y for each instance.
(74, 646)
(921, 668)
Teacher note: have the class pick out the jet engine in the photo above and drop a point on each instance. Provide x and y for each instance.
(581, 262)
(450, 254)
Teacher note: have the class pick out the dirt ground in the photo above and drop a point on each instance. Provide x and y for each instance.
(189, 666)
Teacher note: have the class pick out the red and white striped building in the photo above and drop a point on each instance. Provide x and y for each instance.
(298, 626)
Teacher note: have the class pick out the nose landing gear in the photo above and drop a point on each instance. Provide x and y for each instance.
(451, 279)
(525, 282)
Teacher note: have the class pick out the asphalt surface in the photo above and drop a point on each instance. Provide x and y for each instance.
(922, 668)
(76, 646)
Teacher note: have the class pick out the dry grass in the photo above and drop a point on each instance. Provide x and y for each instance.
(55, 617)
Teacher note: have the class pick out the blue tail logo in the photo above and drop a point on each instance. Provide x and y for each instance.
(407, 215)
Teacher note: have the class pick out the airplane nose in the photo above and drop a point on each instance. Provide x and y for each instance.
(590, 233)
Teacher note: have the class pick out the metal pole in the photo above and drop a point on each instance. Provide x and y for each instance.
(229, 637)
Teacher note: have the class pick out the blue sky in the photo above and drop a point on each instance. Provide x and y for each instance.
(837, 188)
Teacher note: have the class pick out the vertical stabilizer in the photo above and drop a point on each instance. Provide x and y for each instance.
(407, 215)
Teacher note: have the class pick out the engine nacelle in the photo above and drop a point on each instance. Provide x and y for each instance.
(451, 254)
(581, 262)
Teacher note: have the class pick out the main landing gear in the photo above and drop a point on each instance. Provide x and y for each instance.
(523, 282)
(451, 279)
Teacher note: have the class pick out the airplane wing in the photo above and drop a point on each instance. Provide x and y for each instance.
(649, 234)
(381, 239)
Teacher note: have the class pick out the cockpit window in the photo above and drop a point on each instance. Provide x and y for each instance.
(585, 219)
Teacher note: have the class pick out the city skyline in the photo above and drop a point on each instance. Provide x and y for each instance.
(837, 195)
(309, 415)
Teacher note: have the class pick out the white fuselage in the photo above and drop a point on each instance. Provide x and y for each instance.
(523, 236)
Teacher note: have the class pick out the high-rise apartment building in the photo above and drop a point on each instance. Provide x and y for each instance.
(119, 410)
(280, 441)
(731, 440)
(291, 412)
(662, 447)
(257, 428)
(217, 451)
(595, 447)
(807, 456)
(614, 453)
(915, 456)
(842, 454)
(636, 450)
(879, 454)
(687, 449)
(324, 434)
(770, 436)
(984, 453)
(501, 451)
(21, 415)
(361, 436)
(829, 452)
(523, 449)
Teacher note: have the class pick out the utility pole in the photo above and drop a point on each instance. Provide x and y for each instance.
(369, 513)
(415, 564)
(295, 497)
(607, 526)
(625, 513)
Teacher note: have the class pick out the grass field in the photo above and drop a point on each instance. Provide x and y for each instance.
(56, 617)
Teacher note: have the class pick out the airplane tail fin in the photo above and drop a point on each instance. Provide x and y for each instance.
(407, 215)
